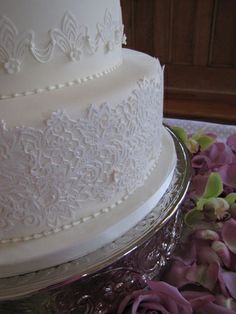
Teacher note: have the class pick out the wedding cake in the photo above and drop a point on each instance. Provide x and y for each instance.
(83, 153)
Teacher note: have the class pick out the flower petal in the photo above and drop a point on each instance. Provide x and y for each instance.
(198, 184)
(198, 298)
(231, 142)
(228, 174)
(204, 275)
(228, 234)
(222, 251)
(172, 292)
(229, 303)
(205, 234)
(200, 161)
(229, 278)
(176, 275)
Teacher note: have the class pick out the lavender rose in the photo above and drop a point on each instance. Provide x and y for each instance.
(161, 298)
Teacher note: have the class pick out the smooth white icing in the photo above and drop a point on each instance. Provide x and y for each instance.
(70, 244)
(63, 173)
(80, 131)
(69, 40)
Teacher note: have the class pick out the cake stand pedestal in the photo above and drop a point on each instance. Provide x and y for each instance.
(97, 282)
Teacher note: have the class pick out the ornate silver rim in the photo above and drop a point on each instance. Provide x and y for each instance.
(22, 285)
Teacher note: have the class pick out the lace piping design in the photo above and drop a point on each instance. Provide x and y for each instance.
(72, 40)
(51, 175)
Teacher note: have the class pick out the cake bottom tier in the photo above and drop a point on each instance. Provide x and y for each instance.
(98, 282)
(67, 245)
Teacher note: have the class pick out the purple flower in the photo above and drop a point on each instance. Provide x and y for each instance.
(215, 156)
(161, 298)
(198, 185)
(228, 175)
(228, 234)
(231, 142)
(205, 303)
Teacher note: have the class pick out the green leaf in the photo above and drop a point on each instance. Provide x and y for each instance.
(193, 216)
(202, 139)
(214, 186)
(181, 133)
(201, 202)
(231, 198)
(197, 134)
(205, 141)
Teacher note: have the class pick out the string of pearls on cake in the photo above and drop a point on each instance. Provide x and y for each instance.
(61, 85)
(102, 211)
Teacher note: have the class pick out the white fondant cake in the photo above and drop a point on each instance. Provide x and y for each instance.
(80, 131)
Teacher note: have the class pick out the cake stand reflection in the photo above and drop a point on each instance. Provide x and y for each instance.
(97, 282)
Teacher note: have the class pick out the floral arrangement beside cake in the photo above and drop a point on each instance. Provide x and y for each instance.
(201, 277)
(83, 152)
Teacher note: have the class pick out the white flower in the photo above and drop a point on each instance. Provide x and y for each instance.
(12, 66)
(75, 54)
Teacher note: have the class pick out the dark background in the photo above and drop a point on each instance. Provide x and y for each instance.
(196, 40)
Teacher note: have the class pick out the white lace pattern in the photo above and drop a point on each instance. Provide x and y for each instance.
(73, 170)
(72, 40)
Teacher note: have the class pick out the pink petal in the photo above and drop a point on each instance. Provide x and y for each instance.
(228, 174)
(229, 278)
(187, 257)
(205, 254)
(231, 142)
(217, 153)
(171, 292)
(212, 308)
(229, 303)
(221, 282)
(204, 275)
(198, 184)
(202, 303)
(198, 298)
(206, 234)
(148, 300)
(201, 161)
(228, 233)
(176, 275)
(222, 251)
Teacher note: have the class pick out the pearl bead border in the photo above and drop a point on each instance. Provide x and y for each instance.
(61, 85)
(103, 211)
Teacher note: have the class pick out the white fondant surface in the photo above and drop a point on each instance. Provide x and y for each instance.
(43, 44)
(81, 132)
(70, 244)
(73, 166)
(113, 88)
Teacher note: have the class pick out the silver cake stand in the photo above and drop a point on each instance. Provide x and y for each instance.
(97, 282)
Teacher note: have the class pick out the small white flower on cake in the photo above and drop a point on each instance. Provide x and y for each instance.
(75, 54)
(12, 66)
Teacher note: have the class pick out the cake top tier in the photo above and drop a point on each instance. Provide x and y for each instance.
(48, 44)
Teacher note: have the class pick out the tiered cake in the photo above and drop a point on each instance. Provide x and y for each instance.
(83, 153)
